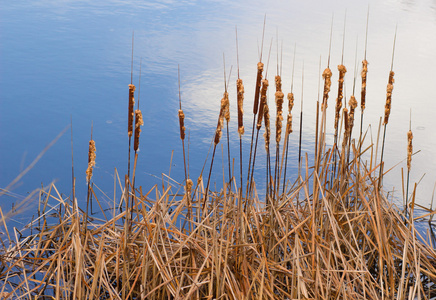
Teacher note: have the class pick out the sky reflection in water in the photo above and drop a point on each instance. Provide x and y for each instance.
(71, 59)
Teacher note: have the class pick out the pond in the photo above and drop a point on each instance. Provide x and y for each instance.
(71, 60)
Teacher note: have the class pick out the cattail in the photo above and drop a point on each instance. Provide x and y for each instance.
(227, 108)
(327, 75)
(267, 134)
(290, 106)
(342, 70)
(262, 103)
(182, 124)
(219, 127)
(363, 92)
(91, 160)
(189, 185)
(131, 105)
(409, 149)
(138, 123)
(353, 104)
(240, 96)
(346, 126)
(258, 84)
(389, 89)
(279, 103)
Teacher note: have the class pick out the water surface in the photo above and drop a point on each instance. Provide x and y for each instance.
(63, 60)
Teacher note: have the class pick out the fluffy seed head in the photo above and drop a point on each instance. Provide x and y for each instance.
(138, 123)
(131, 105)
(91, 160)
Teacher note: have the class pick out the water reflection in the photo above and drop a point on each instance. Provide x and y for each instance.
(72, 59)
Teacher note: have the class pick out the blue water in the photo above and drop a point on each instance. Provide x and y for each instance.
(63, 60)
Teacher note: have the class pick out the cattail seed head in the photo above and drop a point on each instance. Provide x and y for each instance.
(389, 90)
(138, 123)
(219, 127)
(409, 149)
(240, 96)
(262, 102)
(227, 108)
(258, 85)
(342, 70)
(353, 104)
(289, 119)
(347, 129)
(363, 91)
(267, 134)
(189, 185)
(279, 103)
(327, 75)
(291, 101)
(91, 160)
(289, 125)
(131, 105)
(182, 124)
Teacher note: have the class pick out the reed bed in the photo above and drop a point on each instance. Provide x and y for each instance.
(325, 236)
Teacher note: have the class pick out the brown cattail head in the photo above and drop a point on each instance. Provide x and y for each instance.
(131, 105)
(138, 123)
(389, 89)
(291, 102)
(278, 80)
(289, 125)
(363, 91)
(353, 104)
(258, 84)
(240, 95)
(346, 127)
(409, 149)
(327, 75)
(279, 103)
(262, 102)
(189, 185)
(91, 160)
(267, 134)
(342, 70)
(219, 127)
(182, 124)
(227, 108)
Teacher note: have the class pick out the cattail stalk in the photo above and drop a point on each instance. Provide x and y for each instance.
(255, 110)
(259, 123)
(287, 133)
(218, 134)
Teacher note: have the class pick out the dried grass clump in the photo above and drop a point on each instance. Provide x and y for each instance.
(350, 244)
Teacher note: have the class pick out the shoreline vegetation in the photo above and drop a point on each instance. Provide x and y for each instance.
(331, 233)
